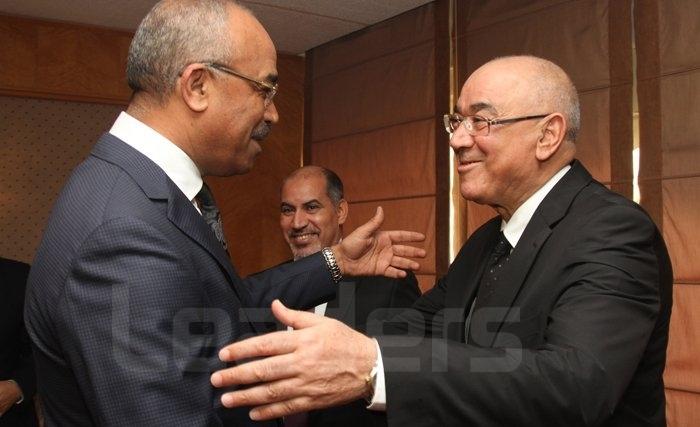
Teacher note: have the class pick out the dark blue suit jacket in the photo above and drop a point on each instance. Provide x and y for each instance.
(131, 296)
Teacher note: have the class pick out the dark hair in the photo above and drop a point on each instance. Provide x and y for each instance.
(334, 186)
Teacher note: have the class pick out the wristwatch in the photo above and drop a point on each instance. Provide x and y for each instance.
(371, 383)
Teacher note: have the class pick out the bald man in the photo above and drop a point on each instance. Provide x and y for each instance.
(555, 312)
(132, 290)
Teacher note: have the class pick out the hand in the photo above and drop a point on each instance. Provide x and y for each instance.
(320, 363)
(10, 393)
(370, 252)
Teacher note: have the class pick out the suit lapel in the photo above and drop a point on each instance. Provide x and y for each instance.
(157, 186)
(515, 272)
(184, 216)
(512, 278)
(465, 274)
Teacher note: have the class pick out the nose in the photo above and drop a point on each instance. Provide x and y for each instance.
(271, 115)
(461, 139)
(299, 220)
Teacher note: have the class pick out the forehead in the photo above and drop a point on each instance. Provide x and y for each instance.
(303, 188)
(492, 89)
(251, 44)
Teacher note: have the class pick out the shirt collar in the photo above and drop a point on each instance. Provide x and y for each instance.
(514, 228)
(175, 163)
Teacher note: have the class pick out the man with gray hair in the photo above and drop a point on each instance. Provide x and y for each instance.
(132, 290)
(556, 312)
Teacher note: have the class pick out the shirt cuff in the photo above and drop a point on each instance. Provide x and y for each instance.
(379, 398)
(21, 393)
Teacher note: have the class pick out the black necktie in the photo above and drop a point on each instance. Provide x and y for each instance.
(487, 287)
(211, 214)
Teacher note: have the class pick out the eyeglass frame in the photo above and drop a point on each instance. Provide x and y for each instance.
(489, 122)
(269, 89)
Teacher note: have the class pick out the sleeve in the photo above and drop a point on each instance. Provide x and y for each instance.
(406, 291)
(120, 311)
(422, 318)
(300, 285)
(24, 374)
(595, 337)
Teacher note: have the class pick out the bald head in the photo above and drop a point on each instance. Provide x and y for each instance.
(176, 33)
(542, 87)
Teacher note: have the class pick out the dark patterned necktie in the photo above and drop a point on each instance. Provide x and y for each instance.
(499, 257)
(211, 214)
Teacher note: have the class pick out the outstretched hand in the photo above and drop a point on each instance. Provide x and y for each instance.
(321, 363)
(370, 252)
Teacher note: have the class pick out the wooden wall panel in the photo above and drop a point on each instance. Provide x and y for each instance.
(416, 213)
(681, 364)
(383, 157)
(250, 203)
(382, 92)
(63, 61)
(376, 102)
(668, 69)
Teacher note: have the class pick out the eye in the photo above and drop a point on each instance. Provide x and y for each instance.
(286, 210)
(313, 207)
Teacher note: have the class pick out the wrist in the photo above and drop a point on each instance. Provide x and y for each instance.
(333, 262)
(371, 376)
(17, 396)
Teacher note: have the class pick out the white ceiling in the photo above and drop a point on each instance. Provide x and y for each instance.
(294, 25)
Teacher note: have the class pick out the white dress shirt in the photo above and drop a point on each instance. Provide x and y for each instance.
(513, 230)
(176, 164)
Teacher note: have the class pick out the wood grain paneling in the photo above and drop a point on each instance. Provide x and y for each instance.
(63, 61)
(393, 159)
(415, 214)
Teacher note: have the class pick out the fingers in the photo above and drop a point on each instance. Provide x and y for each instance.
(404, 264)
(408, 251)
(263, 345)
(281, 409)
(258, 371)
(263, 394)
(399, 236)
(371, 226)
(294, 318)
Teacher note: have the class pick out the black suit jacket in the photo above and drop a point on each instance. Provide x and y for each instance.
(575, 334)
(359, 302)
(131, 296)
(15, 350)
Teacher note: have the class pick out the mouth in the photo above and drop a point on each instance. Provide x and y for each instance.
(302, 238)
(465, 165)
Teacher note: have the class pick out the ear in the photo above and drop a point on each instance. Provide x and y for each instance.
(194, 85)
(342, 211)
(553, 134)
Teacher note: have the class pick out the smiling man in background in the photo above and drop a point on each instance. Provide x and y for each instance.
(312, 213)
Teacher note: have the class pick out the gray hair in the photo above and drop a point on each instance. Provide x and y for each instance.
(555, 87)
(174, 34)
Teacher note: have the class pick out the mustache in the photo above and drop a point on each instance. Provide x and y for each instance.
(261, 131)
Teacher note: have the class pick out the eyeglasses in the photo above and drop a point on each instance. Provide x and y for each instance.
(477, 125)
(268, 89)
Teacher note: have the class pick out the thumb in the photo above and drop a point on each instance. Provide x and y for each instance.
(370, 227)
(294, 318)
